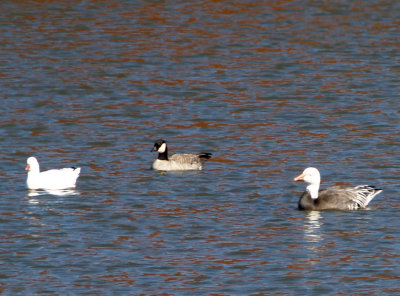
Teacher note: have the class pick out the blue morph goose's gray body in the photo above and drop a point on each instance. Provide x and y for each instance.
(339, 198)
(177, 162)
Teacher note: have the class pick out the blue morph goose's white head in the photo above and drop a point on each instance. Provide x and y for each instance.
(312, 177)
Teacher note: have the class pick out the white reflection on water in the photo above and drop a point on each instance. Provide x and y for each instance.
(312, 228)
(57, 192)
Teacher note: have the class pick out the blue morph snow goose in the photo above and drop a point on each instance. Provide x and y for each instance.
(333, 198)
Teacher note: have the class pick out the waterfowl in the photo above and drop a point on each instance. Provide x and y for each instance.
(177, 162)
(52, 179)
(333, 198)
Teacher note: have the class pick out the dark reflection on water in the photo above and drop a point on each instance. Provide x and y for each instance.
(269, 88)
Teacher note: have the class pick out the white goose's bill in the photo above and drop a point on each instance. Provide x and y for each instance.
(162, 148)
(56, 192)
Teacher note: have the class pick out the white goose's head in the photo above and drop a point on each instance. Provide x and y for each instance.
(312, 177)
(32, 165)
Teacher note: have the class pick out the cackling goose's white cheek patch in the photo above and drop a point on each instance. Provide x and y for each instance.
(162, 148)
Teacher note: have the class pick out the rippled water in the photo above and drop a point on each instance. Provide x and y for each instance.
(269, 88)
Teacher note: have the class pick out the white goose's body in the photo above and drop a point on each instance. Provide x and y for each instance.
(51, 179)
(333, 198)
(177, 162)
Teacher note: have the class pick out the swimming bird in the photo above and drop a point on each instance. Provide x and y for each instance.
(52, 179)
(333, 198)
(177, 162)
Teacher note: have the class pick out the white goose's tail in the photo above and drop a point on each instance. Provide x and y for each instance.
(76, 172)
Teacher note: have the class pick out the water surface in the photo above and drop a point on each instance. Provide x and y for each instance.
(269, 88)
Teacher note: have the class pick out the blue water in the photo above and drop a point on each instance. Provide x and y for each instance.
(269, 88)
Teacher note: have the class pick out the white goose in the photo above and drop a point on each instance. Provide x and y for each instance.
(52, 179)
(333, 198)
(177, 162)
